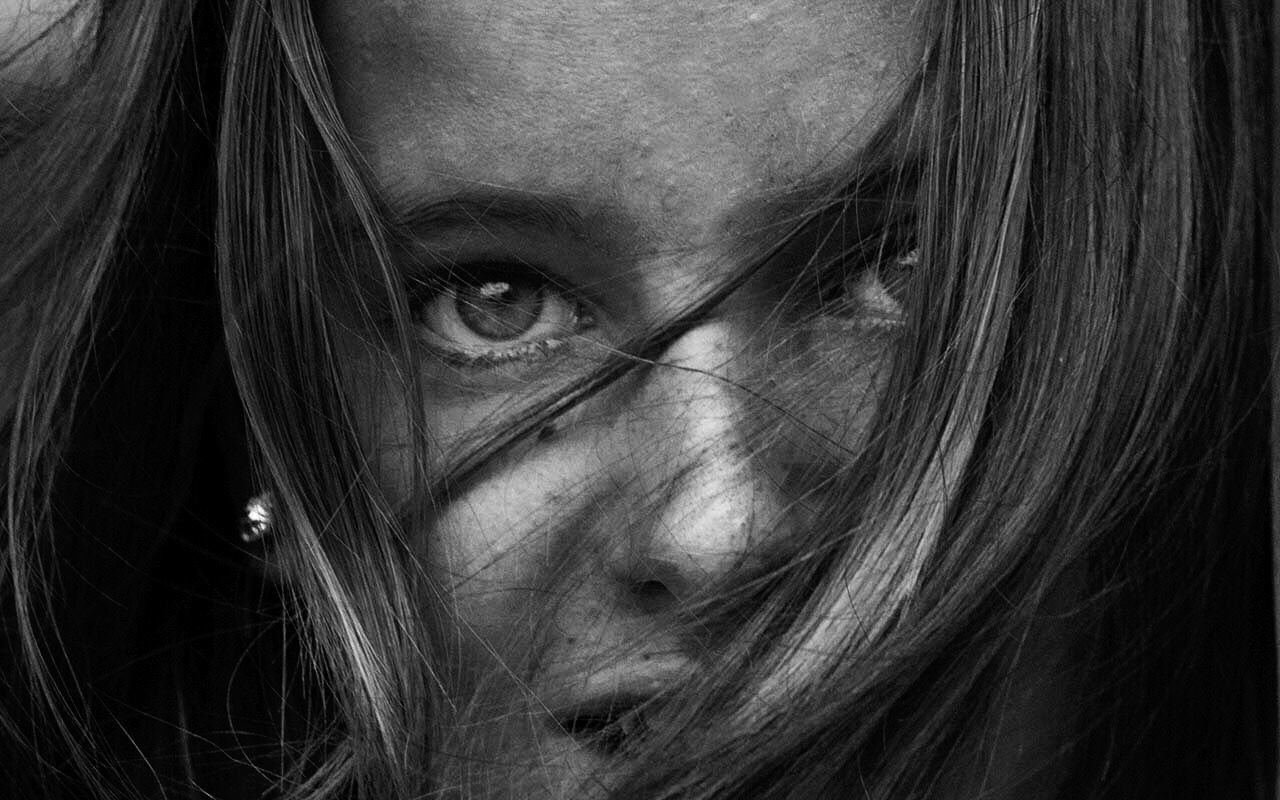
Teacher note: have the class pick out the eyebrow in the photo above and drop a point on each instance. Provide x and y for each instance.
(506, 208)
(429, 217)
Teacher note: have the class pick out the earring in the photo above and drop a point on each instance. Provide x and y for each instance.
(258, 518)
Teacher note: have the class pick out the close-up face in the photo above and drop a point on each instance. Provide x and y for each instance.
(615, 399)
(570, 176)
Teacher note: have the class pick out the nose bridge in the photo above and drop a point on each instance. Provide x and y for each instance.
(707, 487)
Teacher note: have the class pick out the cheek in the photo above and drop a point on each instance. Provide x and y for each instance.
(816, 398)
(845, 382)
(500, 549)
(490, 538)
(531, 555)
(821, 392)
(799, 408)
(442, 426)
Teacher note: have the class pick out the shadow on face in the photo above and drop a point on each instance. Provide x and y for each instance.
(570, 174)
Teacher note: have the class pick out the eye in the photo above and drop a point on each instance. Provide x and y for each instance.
(872, 296)
(865, 284)
(864, 256)
(482, 314)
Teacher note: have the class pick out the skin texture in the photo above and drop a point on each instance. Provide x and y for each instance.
(47, 36)
(670, 133)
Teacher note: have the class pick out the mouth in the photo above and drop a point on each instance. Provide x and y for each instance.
(609, 709)
(608, 724)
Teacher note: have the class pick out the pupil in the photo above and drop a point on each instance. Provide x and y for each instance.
(500, 310)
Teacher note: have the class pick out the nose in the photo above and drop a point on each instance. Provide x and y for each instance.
(702, 480)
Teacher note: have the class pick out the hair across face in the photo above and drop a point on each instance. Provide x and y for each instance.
(566, 177)
(724, 363)
(663, 400)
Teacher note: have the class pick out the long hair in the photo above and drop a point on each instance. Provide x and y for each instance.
(1071, 442)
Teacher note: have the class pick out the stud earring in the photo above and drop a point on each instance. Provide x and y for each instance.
(258, 518)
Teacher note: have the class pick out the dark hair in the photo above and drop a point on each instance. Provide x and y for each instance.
(1070, 458)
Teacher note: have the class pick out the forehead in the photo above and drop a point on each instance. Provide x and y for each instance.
(668, 108)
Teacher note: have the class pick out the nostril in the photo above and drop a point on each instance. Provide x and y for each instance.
(652, 585)
(652, 596)
(655, 588)
(650, 590)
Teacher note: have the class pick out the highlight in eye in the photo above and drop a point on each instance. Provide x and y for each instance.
(491, 313)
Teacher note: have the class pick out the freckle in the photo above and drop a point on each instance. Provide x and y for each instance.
(755, 16)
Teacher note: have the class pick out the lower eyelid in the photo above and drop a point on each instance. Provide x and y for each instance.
(513, 359)
(528, 353)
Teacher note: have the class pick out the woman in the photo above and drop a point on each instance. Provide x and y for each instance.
(640, 400)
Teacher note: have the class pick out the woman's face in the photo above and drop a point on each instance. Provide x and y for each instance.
(571, 174)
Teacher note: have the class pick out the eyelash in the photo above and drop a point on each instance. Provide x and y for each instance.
(447, 294)
(842, 291)
(889, 258)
